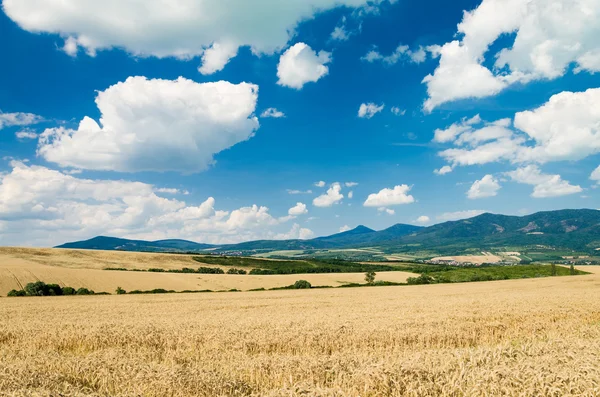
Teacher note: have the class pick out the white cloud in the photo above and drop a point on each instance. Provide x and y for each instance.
(291, 191)
(297, 232)
(217, 56)
(423, 220)
(299, 65)
(398, 111)
(567, 127)
(443, 171)
(340, 33)
(350, 194)
(18, 119)
(333, 196)
(213, 29)
(402, 52)
(368, 110)
(345, 228)
(298, 209)
(458, 215)
(40, 206)
(389, 197)
(388, 211)
(320, 184)
(156, 125)
(26, 134)
(487, 186)
(549, 37)
(167, 190)
(351, 184)
(595, 176)
(272, 112)
(544, 185)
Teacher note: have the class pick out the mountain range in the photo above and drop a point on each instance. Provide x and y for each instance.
(570, 229)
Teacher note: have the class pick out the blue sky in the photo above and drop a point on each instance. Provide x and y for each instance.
(175, 142)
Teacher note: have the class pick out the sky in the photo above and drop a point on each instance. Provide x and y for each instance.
(221, 121)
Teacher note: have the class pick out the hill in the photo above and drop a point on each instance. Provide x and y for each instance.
(569, 229)
(120, 244)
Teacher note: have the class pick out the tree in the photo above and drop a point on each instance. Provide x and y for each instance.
(370, 277)
(554, 269)
(572, 269)
(120, 291)
(302, 284)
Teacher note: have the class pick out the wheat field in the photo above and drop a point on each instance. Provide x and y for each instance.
(531, 337)
(82, 269)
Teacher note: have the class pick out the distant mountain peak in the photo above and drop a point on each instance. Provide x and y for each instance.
(361, 229)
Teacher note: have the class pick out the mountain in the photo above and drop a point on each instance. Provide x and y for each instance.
(112, 243)
(574, 229)
(570, 229)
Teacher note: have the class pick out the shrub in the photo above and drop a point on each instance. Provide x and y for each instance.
(302, 284)
(38, 288)
(15, 292)
(84, 291)
(210, 270)
(68, 291)
(370, 277)
(422, 279)
(236, 271)
(120, 291)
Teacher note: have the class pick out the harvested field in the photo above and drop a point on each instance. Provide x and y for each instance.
(474, 259)
(24, 266)
(508, 338)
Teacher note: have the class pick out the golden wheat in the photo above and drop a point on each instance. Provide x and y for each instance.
(518, 338)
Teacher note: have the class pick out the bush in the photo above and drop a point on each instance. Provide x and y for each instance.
(370, 277)
(302, 284)
(84, 291)
(38, 288)
(15, 292)
(210, 270)
(236, 271)
(68, 291)
(422, 279)
(120, 291)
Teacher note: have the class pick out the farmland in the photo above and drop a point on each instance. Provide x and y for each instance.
(515, 337)
(19, 266)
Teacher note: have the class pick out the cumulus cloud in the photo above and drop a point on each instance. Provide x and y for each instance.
(368, 110)
(273, 113)
(388, 211)
(595, 176)
(548, 38)
(296, 233)
(544, 185)
(443, 171)
(40, 206)
(389, 197)
(458, 215)
(487, 186)
(19, 119)
(299, 65)
(423, 220)
(26, 134)
(320, 184)
(298, 209)
(350, 194)
(345, 228)
(212, 29)
(567, 127)
(333, 196)
(156, 125)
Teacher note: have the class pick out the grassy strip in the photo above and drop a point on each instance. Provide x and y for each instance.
(271, 267)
